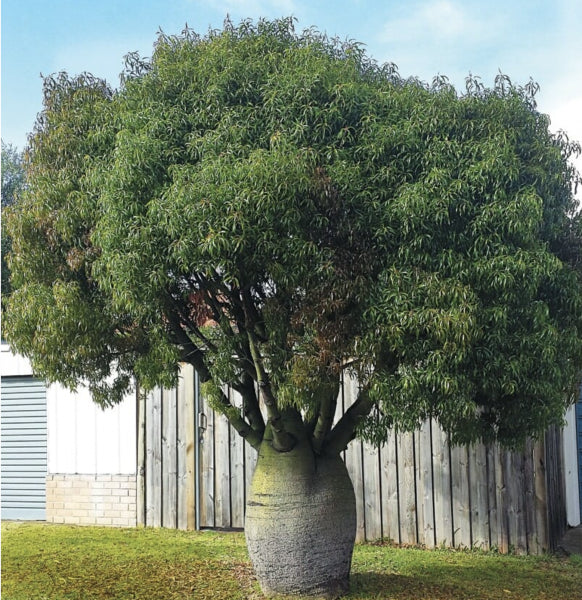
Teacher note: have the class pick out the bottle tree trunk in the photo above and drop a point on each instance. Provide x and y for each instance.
(300, 523)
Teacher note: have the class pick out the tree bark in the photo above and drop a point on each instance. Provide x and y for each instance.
(300, 522)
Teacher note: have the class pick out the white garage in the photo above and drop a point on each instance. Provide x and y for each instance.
(64, 460)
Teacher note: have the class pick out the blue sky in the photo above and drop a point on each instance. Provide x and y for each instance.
(540, 39)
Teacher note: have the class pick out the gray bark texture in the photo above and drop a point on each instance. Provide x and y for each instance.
(300, 523)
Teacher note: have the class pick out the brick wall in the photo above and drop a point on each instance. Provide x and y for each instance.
(91, 500)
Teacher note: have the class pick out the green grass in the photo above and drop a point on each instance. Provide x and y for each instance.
(58, 562)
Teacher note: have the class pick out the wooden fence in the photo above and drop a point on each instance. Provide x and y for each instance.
(416, 489)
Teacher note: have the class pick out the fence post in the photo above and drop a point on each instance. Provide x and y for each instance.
(141, 456)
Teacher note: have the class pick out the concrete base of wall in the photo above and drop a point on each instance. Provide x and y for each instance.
(91, 499)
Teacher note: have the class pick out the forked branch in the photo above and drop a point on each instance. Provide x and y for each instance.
(345, 430)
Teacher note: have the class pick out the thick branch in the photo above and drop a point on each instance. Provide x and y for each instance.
(324, 421)
(345, 430)
(190, 353)
(253, 437)
(251, 408)
(283, 441)
(255, 318)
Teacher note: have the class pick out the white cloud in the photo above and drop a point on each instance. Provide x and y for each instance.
(445, 18)
(450, 37)
(566, 114)
(434, 20)
(249, 8)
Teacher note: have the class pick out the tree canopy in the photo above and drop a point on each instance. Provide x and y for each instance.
(12, 183)
(12, 174)
(279, 210)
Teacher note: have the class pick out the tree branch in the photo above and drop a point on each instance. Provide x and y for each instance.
(251, 408)
(256, 318)
(324, 421)
(345, 430)
(191, 353)
(193, 327)
(283, 441)
(252, 436)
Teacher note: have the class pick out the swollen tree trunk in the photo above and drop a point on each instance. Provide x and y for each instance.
(300, 522)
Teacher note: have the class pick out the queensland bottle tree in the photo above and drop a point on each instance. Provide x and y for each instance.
(280, 211)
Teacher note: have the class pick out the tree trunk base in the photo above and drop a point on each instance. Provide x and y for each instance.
(300, 523)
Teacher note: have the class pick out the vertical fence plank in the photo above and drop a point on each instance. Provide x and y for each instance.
(425, 486)
(169, 459)
(442, 487)
(519, 462)
(418, 494)
(206, 475)
(354, 463)
(154, 460)
(521, 517)
(186, 448)
(502, 501)
(529, 503)
(237, 472)
(493, 511)
(373, 492)
(222, 471)
(389, 475)
(479, 491)
(461, 497)
(407, 488)
(541, 543)
(141, 458)
(149, 460)
(514, 505)
(555, 486)
(552, 486)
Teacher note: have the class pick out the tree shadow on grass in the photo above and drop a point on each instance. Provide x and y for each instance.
(478, 577)
(401, 587)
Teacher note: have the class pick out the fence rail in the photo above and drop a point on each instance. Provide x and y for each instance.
(416, 489)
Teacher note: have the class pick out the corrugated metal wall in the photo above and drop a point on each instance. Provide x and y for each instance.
(24, 448)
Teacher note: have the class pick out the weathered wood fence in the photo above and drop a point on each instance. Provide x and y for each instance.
(195, 471)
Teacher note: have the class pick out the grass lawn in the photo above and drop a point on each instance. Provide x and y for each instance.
(54, 562)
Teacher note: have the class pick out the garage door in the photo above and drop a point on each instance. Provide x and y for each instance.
(24, 448)
(579, 438)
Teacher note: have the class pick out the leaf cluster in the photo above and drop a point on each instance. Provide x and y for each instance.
(12, 183)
